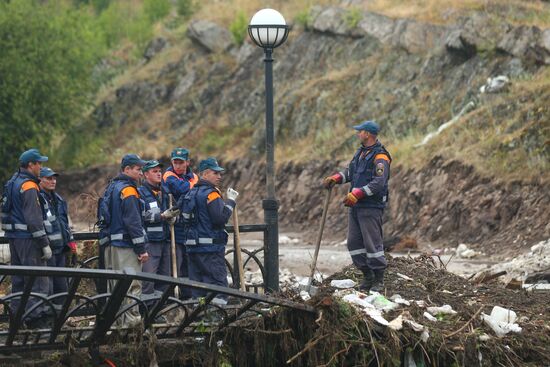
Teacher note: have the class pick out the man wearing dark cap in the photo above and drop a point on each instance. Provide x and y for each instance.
(23, 223)
(157, 214)
(127, 235)
(56, 221)
(207, 214)
(178, 180)
(368, 172)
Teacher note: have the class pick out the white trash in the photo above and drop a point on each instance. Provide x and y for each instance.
(5, 256)
(445, 309)
(429, 316)
(502, 321)
(342, 283)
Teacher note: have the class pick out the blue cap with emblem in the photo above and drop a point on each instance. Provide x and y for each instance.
(32, 155)
(368, 126)
(151, 164)
(180, 153)
(210, 163)
(131, 160)
(47, 172)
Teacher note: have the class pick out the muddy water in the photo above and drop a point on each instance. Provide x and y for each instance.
(297, 257)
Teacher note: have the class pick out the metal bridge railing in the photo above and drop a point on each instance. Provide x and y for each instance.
(90, 320)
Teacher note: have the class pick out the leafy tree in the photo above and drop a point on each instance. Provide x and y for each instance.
(239, 28)
(47, 54)
(156, 9)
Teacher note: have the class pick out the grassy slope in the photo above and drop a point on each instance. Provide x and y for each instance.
(480, 137)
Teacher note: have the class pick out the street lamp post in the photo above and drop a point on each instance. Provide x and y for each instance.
(268, 30)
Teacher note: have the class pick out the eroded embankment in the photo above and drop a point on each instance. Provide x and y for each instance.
(446, 202)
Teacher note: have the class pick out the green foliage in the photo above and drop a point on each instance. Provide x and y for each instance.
(156, 9)
(238, 28)
(121, 20)
(353, 17)
(185, 8)
(304, 19)
(48, 52)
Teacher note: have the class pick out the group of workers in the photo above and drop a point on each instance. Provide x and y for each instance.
(137, 222)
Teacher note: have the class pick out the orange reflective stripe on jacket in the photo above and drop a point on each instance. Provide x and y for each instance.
(192, 182)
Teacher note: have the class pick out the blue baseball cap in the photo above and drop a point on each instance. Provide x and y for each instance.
(369, 126)
(131, 160)
(151, 164)
(47, 172)
(180, 153)
(210, 163)
(32, 155)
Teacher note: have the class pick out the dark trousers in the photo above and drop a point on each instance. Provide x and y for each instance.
(208, 267)
(182, 262)
(57, 284)
(158, 263)
(365, 238)
(26, 252)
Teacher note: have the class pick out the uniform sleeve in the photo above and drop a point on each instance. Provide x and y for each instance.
(32, 212)
(219, 210)
(66, 221)
(380, 175)
(176, 186)
(131, 217)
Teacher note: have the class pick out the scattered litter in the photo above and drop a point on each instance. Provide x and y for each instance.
(502, 321)
(398, 299)
(466, 253)
(484, 337)
(415, 325)
(287, 240)
(305, 295)
(343, 283)
(445, 309)
(403, 276)
(397, 323)
(429, 316)
(495, 85)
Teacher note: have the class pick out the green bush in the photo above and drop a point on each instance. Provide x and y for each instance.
(304, 19)
(156, 9)
(185, 8)
(121, 20)
(238, 28)
(48, 52)
(353, 17)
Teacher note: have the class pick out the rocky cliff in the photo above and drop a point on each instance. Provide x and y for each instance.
(481, 181)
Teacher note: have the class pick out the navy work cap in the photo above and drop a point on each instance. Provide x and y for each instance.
(47, 172)
(32, 155)
(132, 160)
(369, 126)
(210, 163)
(180, 153)
(151, 164)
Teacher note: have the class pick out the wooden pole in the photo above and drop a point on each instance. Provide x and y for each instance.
(319, 237)
(237, 240)
(173, 258)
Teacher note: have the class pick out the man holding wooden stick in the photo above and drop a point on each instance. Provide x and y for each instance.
(205, 215)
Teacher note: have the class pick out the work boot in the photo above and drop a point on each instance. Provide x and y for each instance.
(378, 282)
(368, 280)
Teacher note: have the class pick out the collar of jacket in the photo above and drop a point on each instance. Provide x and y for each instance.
(189, 171)
(123, 177)
(151, 187)
(205, 183)
(370, 147)
(28, 174)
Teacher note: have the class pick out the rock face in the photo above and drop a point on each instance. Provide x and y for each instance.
(209, 35)
(154, 47)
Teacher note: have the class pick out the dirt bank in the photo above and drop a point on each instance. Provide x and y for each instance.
(445, 202)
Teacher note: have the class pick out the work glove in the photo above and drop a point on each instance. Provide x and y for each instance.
(354, 196)
(47, 253)
(72, 246)
(232, 194)
(330, 181)
(170, 213)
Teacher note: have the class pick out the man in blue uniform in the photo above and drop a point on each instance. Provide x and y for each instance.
(127, 236)
(178, 180)
(157, 214)
(368, 172)
(56, 216)
(207, 214)
(23, 223)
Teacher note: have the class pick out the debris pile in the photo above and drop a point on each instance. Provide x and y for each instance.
(527, 269)
(426, 316)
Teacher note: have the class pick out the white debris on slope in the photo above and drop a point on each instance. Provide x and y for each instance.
(495, 85)
(502, 321)
(519, 268)
(466, 253)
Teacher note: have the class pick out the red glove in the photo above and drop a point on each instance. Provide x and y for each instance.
(72, 246)
(330, 181)
(354, 196)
